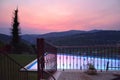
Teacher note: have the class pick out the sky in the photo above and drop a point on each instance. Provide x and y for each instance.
(44, 16)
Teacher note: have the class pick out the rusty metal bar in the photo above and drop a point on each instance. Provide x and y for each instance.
(40, 49)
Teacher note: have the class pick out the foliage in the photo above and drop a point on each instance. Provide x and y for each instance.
(18, 46)
(91, 69)
(22, 48)
(15, 33)
(15, 29)
(1, 44)
(91, 66)
(100, 37)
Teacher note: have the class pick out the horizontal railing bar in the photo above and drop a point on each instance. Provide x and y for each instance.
(15, 61)
(50, 75)
(113, 67)
(84, 46)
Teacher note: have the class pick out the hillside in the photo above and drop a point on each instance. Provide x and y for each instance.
(95, 38)
(24, 45)
(71, 38)
(32, 37)
(5, 38)
(75, 38)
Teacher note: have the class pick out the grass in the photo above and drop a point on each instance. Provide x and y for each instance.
(9, 70)
(23, 59)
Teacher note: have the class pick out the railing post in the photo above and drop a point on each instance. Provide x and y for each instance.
(40, 50)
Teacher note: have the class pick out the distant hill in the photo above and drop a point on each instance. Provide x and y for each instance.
(76, 37)
(25, 46)
(1, 44)
(72, 38)
(88, 38)
(32, 37)
(5, 38)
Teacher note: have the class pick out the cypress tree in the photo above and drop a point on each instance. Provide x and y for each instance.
(18, 46)
(15, 29)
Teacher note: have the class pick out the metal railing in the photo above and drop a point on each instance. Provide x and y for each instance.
(78, 57)
(51, 75)
(103, 57)
(47, 59)
(49, 68)
(10, 69)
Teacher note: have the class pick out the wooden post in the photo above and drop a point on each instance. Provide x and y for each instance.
(40, 57)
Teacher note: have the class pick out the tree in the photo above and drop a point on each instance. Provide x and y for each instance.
(18, 46)
(15, 33)
(15, 29)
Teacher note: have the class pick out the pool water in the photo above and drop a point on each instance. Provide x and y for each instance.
(79, 62)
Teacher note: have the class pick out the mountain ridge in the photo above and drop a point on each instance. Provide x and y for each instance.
(79, 37)
(76, 37)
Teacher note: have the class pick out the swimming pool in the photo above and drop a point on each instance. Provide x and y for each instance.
(79, 62)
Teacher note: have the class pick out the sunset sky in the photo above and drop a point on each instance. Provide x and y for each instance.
(43, 16)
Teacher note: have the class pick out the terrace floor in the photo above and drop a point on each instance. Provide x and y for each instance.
(80, 75)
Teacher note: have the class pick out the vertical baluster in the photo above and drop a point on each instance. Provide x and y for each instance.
(73, 57)
(88, 54)
(108, 55)
(60, 58)
(5, 68)
(77, 58)
(70, 59)
(113, 54)
(82, 59)
(2, 66)
(63, 60)
(103, 57)
(87, 50)
(115, 50)
(97, 56)
(115, 57)
(67, 62)
(8, 69)
(111, 58)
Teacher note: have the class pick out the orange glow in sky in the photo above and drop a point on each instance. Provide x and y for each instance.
(43, 16)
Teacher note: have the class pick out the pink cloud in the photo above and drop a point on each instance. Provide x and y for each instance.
(61, 15)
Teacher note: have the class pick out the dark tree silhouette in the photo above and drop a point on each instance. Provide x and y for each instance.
(15, 29)
(18, 45)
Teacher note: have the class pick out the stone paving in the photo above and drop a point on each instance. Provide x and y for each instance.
(80, 75)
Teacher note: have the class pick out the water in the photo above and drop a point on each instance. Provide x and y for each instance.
(81, 62)
(78, 62)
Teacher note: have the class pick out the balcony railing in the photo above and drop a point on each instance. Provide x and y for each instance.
(10, 69)
(47, 58)
(103, 57)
